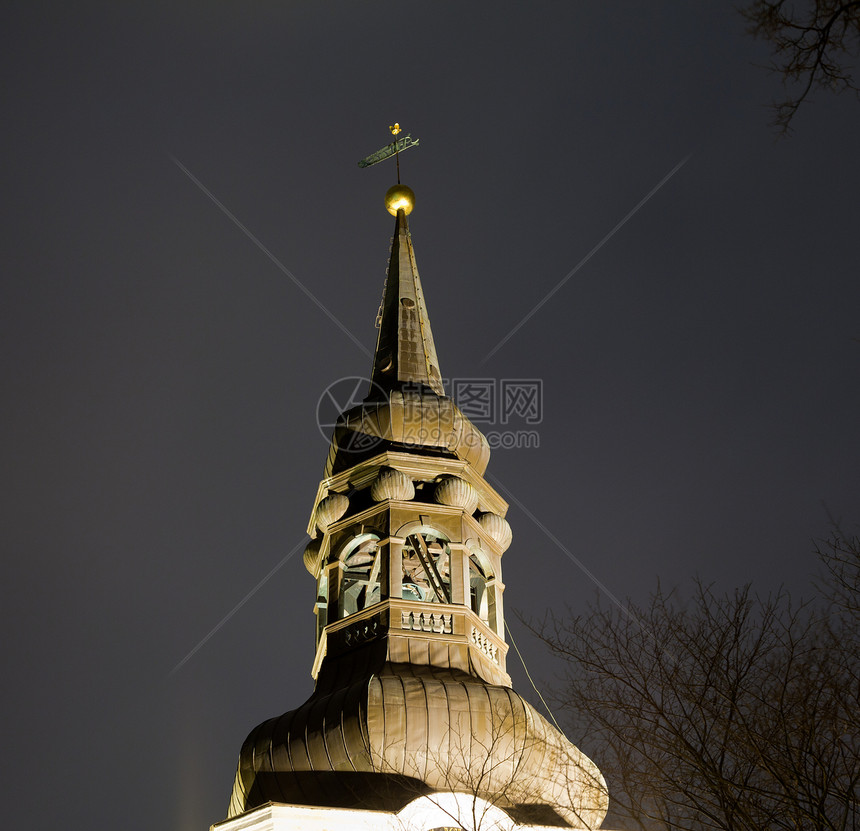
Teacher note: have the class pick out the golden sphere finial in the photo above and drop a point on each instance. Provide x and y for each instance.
(395, 128)
(398, 198)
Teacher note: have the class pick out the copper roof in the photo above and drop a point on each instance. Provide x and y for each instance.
(383, 739)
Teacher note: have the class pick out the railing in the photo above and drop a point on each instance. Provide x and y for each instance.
(438, 622)
(485, 645)
(430, 619)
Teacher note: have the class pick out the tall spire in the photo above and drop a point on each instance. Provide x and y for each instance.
(412, 702)
(405, 352)
(406, 407)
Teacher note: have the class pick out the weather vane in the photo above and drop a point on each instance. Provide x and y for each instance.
(394, 149)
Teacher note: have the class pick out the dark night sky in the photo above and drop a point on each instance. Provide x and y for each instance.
(161, 375)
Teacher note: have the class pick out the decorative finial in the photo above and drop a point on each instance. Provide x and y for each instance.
(399, 197)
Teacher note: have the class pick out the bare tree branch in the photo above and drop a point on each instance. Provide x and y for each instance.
(723, 712)
(813, 44)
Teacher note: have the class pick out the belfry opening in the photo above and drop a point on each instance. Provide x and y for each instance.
(413, 722)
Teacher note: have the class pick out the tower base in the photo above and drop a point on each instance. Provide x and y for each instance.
(438, 812)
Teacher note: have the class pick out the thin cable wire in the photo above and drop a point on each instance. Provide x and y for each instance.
(529, 676)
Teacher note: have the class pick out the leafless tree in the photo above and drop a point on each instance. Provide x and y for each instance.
(722, 712)
(486, 779)
(840, 555)
(813, 42)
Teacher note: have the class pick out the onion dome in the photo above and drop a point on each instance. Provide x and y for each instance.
(330, 510)
(311, 557)
(349, 747)
(411, 421)
(392, 484)
(456, 492)
(498, 529)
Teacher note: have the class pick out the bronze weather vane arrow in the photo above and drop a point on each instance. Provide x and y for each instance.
(394, 149)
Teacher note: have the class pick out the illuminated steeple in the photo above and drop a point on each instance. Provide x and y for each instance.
(413, 705)
(405, 352)
(406, 407)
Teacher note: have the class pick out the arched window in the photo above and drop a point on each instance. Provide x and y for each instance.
(480, 598)
(426, 566)
(322, 603)
(359, 586)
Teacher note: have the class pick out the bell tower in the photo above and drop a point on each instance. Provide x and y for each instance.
(413, 721)
(408, 535)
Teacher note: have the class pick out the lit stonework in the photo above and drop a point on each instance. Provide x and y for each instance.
(413, 722)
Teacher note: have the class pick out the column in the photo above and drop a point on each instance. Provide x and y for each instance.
(460, 591)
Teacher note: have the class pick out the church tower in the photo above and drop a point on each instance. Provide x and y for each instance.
(413, 723)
